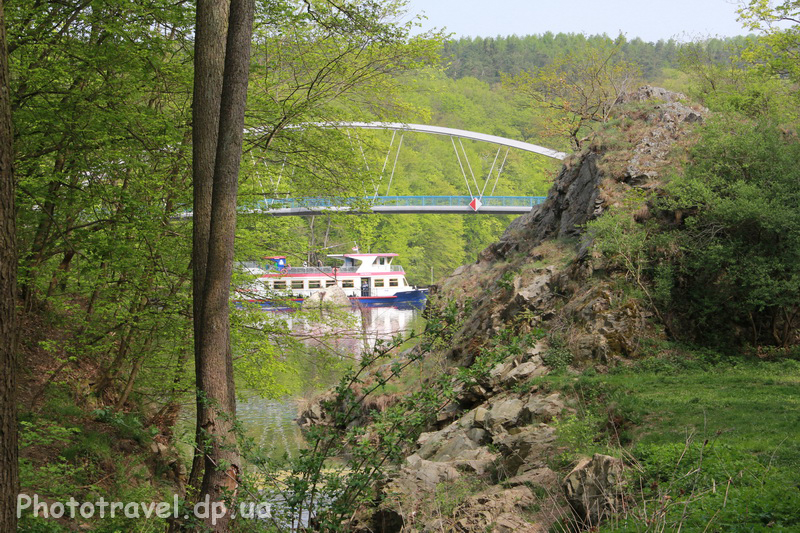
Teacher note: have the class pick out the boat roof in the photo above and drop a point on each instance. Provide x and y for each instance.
(357, 256)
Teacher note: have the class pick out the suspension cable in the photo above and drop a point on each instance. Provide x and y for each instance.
(396, 156)
(458, 157)
(385, 161)
(489, 176)
(466, 158)
(502, 165)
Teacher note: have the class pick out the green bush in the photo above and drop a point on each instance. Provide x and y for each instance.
(739, 245)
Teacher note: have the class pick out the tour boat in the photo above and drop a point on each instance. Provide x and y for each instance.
(370, 280)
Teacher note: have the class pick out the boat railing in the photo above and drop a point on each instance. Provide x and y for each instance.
(330, 271)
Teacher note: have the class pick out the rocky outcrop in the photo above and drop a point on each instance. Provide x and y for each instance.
(497, 435)
(650, 93)
(609, 325)
(667, 123)
(595, 489)
(573, 200)
(503, 286)
(330, 296)
(504, 438)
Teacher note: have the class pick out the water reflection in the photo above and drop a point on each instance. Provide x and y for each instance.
(270, 422)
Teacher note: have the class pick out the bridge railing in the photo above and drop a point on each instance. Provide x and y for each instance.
(398, 201)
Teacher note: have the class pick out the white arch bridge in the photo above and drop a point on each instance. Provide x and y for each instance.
(476, 200)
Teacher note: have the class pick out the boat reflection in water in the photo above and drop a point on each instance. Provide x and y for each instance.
(348, 333)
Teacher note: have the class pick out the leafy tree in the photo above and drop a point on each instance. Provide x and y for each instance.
(733, 84)
(581, 87)
(739, 241)
(779, 46)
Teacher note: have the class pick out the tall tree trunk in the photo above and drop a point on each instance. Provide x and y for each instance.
(209, 60)
(215, 366)
(8, 304)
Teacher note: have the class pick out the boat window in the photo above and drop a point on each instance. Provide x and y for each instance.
(330, 283)
(298, 284)
(393, 282)
(379, 283)
(347, 283)
(381, 261)
(314, 284)
(279, 285)
(405, 283)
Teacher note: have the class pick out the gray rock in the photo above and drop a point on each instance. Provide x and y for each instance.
(478, 435)
(538, 477)
(468, 420)
(504, 413)
(571, 202)
(648, 92)
(431, 442)
(531, 294)
(450, 411)
(525, 450)
(430, 473)
(497, 507)
(544, 409)
(524, 372)
(479, 417)
(499, 370)
(511, 523)
(334, 296)
(478, 461)
(595, 488)
(453, 447)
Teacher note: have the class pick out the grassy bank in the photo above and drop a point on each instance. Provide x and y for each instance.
(713, 440)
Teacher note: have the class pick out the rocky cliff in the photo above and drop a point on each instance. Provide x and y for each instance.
(492, 452)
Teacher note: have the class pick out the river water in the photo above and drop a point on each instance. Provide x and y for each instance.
(271, 422)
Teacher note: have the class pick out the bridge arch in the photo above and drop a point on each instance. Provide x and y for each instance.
(451, 132)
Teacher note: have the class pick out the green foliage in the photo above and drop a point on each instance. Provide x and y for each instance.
(578, 433)
(127, 425)
(334, 490)
(487, 58)
(580, 87)
(779, 23)
(739, 245)
(506, 281)
(505, 344)
(711, 487)
(557, 356)
(449, 496)
(622, 240)
(709, 440)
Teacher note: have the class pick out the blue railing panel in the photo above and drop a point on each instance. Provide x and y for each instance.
(269, 204)
(400, 201)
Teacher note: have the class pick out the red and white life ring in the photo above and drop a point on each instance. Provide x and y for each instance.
(335, 270)
(284, 271)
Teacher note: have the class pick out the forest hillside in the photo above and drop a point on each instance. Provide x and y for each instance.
(623, 357)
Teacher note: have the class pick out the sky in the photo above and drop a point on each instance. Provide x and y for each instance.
(683, 20)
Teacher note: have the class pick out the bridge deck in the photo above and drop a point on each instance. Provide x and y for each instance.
(491, 205)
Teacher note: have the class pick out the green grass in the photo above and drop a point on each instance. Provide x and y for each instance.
(755, 407)
(716, 437)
